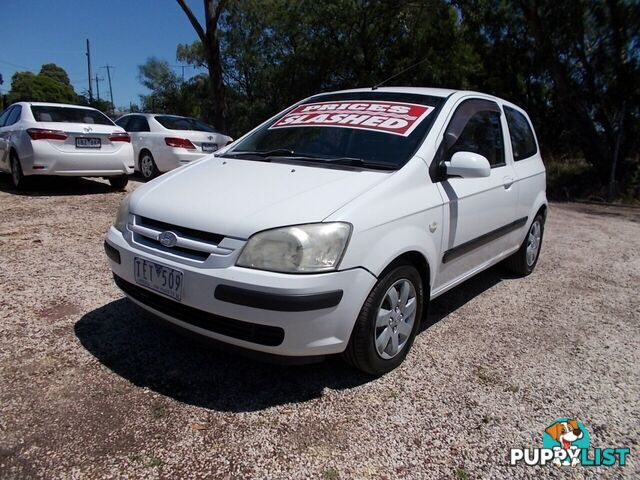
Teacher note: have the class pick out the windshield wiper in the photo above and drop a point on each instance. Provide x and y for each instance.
(360, 162)
(278, 152)
(267, 155)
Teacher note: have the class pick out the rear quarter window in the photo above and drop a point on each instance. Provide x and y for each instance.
(523, 142)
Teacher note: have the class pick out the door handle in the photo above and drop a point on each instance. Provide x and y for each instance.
(507, 182)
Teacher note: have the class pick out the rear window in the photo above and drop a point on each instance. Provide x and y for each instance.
(45, 113)
(382, 128)
(183, 123)
(523, 142)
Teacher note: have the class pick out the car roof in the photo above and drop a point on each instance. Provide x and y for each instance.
(51, 104)
(148, 115)
(431, 91)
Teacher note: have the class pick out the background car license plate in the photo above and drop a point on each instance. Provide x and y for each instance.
(87, 142)
(158, 277)
(209, 147)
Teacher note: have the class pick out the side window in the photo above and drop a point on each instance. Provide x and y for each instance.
(14, 116)
(482, 134)
(123, 122)
(4, 115)
(523, 143)
(138, 123)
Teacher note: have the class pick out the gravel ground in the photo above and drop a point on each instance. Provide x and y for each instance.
(91, 387)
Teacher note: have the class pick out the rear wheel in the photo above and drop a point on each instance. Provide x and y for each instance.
(148, 168)
(119, 182)
(525, 259)
(17, 177)
(388, 322)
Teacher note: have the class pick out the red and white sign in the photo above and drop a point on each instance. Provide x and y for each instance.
(397, 118)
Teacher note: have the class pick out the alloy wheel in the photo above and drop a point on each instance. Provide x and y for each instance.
(395, 319)
(146, 166)
(533, 242)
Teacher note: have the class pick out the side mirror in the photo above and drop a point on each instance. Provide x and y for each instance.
(468, 165)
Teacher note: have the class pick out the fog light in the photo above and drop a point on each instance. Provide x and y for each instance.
(112, 253)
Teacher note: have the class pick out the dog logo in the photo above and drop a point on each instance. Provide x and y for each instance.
(566, 441)
(567, 434)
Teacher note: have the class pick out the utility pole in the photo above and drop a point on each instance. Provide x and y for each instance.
(98, 86)
(109, 67)
(89, 71)
(182, 67)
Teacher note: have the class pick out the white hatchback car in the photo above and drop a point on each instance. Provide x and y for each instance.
(164, 142)
(39, 138)
(328, 228)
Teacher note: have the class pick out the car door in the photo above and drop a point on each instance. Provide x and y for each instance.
(479, 212)
(6, 134)
(138, 128)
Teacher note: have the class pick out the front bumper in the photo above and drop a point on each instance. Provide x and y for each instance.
(274, 313)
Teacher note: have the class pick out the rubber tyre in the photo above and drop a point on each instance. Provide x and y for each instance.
(18, 179)
(119, 182)
(148, 175)
(361, 352)
(517, 263)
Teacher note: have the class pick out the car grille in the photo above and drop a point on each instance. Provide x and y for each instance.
(192, 244)
(249, 332)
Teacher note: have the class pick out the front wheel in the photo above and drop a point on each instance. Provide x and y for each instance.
(120, 182)
(388, 322)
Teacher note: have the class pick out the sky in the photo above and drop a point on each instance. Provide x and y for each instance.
(122, 33)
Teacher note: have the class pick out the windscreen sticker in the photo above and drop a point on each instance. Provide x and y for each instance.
(397, 118)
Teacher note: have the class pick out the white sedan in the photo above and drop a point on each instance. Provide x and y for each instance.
(69, 140)
(164, 142)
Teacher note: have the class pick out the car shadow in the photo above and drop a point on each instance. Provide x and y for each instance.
(128, 341)
(56, 186)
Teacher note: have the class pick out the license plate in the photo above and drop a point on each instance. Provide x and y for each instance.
(209, 147)
(87, 142)
(165, 280)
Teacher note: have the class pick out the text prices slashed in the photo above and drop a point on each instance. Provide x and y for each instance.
(379, 116)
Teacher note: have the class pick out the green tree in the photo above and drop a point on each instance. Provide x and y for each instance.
(55, 72)
(169, 94)
(574, 66)
(27, 86)
(210, 42)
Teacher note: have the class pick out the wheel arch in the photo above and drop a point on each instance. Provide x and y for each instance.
(416, 259)
(143, 150)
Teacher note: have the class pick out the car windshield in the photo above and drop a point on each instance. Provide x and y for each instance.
(183, 123)
(368, 129)
(47, 113)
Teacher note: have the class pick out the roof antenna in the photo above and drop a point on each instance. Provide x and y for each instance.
(375, 87)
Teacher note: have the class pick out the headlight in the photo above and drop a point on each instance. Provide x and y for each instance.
(316, 247)
(122, 217)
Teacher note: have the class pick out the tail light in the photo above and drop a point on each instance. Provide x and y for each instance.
(179, 143)
(46, 134)
(120, 137)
